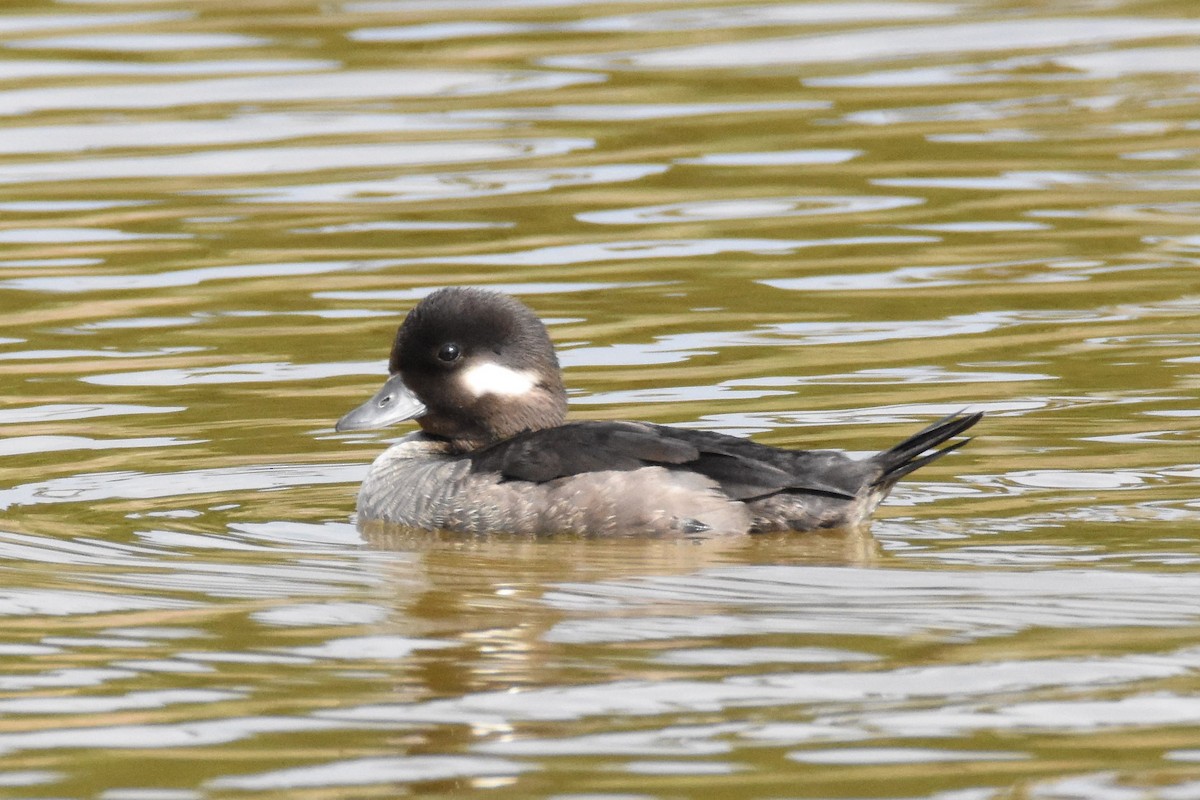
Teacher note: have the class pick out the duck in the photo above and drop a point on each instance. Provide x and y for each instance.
(495, 453)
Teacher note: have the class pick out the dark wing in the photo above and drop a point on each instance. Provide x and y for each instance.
(580, 447)
(739, 466)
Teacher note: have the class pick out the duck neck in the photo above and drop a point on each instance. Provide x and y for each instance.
(493, 419)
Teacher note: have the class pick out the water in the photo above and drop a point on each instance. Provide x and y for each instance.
(818, 224)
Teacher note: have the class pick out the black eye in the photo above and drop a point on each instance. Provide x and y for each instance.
(449, 352)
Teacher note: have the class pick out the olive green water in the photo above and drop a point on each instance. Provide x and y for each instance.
(818, 224)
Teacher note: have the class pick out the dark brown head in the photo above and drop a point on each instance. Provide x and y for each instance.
(471, 366)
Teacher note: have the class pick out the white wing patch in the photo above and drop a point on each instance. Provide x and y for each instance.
(492, 378)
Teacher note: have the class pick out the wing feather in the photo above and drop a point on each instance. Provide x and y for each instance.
(582, 447)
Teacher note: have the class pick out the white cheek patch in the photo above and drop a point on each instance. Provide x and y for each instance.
(491, 378)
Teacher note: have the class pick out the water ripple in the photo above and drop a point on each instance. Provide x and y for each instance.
(885, 43)
(26, 23)
(345, 85)
(863, 688)
(633, 112)
(287, 160)
(880, 603)
(141, 42)
(273, 372)
(129, 485)
(69, 411)
(446, 185)
(642, 249)
(236, 129)
(17, 70)
(184, 277)
(369, 771)
(747, 208)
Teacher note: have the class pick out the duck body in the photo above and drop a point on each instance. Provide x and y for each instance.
(477, 371)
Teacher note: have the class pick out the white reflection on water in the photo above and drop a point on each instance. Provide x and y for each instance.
(706, 767)
(64, 678)
(979, 226)
(1111, 785)
(969, 111)
(391, 6)
(618, 355)
(23, 445)
(29, 777)
(1061, 270)
(282, 160)
(290, 533)
(36, 263)
(1146, 181)
(21, 23)
(368, 648)
(1178, 154)
(271, 372)
(940, 75)
(642, 249)
(28, 650)
(673, 740)
(674, 394)
(899, 755)
(140, 42)
(727, 656)
(223, 580)
(18, 70)
(370, 771)
(443, 31)
(185, 734)
(51, 412)
(346, 85)
(1119, 63)
(885, 43)
(235, 129)
(53, 235)
(752, 16)
(164, 666)
(82, 704)
(303, 615)
(1081, 714)
(1087, 480)
(960, 605)
(445, 185)
(633, 112)
(52, 355)
(88, 488)
(775, 158)
(413, 225)
(520, 289)
(862, 688)
(182, 277)
(61, 603)
(747, 208)
(716, 18)
(891, 376)
(60, 206)
(1056, 68)
(681, 347)
(133, 323)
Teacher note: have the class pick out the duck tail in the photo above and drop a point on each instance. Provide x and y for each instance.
(913, 453)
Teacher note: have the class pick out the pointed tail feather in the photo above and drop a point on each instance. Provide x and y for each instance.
(913, 453)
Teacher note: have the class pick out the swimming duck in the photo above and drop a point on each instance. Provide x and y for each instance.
(477, 371)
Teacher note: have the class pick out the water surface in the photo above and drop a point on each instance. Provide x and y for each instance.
(819, 224)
